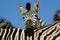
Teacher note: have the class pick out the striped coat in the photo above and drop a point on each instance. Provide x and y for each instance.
(51, 32)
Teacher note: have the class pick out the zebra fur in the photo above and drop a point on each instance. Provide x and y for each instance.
(4, 24)
(30, 16)
(50, 32)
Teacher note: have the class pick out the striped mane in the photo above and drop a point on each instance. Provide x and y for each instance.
(5, 24)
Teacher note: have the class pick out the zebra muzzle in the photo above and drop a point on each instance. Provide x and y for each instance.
(29, 22)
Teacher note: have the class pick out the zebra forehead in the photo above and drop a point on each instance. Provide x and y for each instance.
(31, 12)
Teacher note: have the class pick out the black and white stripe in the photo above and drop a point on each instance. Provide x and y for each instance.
(4, 24)
(51, 32)
(15, 34)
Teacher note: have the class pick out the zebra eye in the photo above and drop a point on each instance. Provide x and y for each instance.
(36, 16)
(23, 17)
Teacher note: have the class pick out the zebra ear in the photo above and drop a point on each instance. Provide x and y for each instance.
(22, 10)
(37, 6)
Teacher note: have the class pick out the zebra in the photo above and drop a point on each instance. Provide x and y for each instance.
(4, 24)
(50, 32)
(30, 16)
(57, 16)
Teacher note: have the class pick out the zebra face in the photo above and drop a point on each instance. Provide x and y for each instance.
(30, 18)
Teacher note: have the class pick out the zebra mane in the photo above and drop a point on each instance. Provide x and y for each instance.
(5, 24)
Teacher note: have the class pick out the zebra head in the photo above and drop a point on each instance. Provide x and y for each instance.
(30, 18)
(30, 15)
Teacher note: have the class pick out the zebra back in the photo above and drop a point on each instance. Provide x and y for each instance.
(51, 32)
